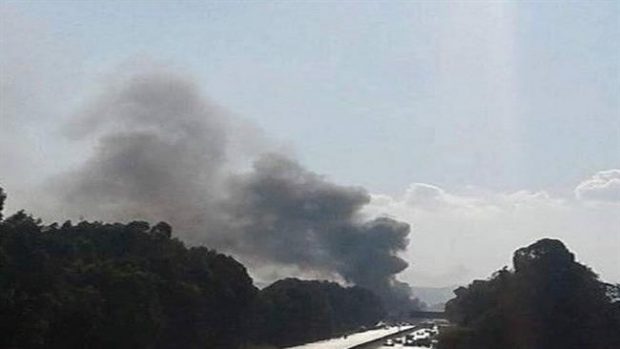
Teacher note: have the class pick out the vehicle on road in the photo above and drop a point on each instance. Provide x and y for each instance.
(389, 343)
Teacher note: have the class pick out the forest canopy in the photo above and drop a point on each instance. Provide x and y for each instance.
(547, 301)
(134, 285)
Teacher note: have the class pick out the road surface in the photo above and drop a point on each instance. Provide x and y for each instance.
(417, 332)
(353, 340)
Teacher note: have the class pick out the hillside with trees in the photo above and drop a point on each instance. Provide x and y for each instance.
(290, 307)
(133, 285)
(548, 301)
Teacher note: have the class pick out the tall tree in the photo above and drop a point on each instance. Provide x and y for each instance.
(116, 286)
(294, 311)
(549, 301)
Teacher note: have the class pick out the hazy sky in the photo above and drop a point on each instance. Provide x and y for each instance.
(486, 125)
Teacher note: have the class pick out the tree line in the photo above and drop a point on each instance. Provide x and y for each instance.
(134, 285)
(547, 300)
(96, 285)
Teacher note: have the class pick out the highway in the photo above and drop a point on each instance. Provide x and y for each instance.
(353, 340)
(372, 339)
(417, 331)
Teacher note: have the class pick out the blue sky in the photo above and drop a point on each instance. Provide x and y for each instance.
(505, 108)
(502, 95)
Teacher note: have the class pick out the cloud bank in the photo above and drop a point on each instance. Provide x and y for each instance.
(602, 186)
(469, 234)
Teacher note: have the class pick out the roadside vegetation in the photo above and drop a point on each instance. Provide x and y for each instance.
(291, 308)
(96, 285)
(547, 300)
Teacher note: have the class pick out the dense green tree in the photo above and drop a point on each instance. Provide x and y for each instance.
(548, 301)
(296, 311)
(116, 286)
(96, 285)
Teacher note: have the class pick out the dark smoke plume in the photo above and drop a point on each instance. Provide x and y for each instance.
(286, 214)
(161, 152)
(164, 153)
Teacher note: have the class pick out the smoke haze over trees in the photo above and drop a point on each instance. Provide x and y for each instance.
(134, 286)
(163, 152)
(384, 107)
(315, 167)
(290, 215)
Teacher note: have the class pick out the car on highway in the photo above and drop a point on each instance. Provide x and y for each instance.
(389, 343)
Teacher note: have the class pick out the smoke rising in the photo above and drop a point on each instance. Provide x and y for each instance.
(165, 153)
(287, 214)
(161, 152)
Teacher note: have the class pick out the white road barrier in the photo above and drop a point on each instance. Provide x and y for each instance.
(353, 339)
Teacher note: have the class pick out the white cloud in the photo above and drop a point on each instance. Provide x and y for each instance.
(426, 195)
(603, 186)
(458, 237)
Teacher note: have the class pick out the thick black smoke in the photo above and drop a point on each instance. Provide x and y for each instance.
(165, 153)
(286, 214)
